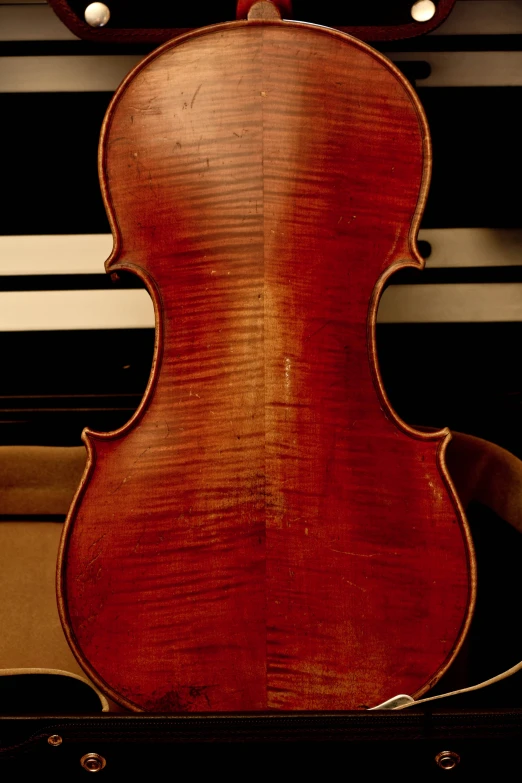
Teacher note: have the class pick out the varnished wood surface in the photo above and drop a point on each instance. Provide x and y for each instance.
(265, 534)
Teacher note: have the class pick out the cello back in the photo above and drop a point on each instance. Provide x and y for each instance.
(265, 533)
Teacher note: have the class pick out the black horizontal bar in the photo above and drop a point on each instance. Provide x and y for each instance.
(433, 43)
(440, 275)
(414, 69)
(459, 274)
(66, 396)
(71, 410)
(453, 43)
(32, 517)
(77, 282)
(68, 48)
(484, 127)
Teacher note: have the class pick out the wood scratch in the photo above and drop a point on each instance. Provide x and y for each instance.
(144, 530)
(97, 541)
(195, 95)
(353, 554)
(142, 454)
(129, 475)
(309, 337)
(91, 562)
(357, 586)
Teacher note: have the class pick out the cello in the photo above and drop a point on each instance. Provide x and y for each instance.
(265, 533)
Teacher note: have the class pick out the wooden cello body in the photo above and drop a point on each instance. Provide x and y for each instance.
(265, 533)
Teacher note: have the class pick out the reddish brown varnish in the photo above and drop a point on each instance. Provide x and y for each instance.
(265, 533)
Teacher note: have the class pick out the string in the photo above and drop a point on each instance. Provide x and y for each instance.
(469, 689)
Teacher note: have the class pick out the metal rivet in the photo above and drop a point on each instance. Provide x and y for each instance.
(97, 14)
(54, 740)
(447, 759)
(422, 11)
(92, 762)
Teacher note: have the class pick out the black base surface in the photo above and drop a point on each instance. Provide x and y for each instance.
(313, 746)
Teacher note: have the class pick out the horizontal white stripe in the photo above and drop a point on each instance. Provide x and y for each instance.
(26, 311)
(462, 303)
(67, 254)
(105, 72)
(59, 254)
(483, 17)
(471, 247)
(32, 23)
(467, 69)
(99, 73)
(132, 309)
